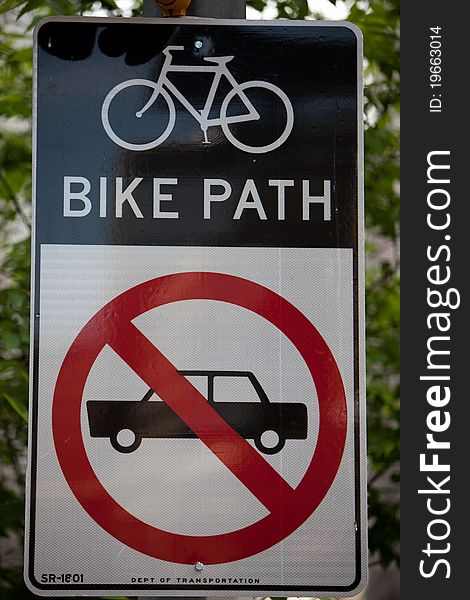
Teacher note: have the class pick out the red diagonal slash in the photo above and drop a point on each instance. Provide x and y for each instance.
(189, 404)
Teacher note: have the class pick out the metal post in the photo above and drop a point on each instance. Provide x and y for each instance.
(215, 9)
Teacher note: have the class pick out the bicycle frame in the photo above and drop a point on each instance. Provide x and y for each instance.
(202, 116)
(169, 92)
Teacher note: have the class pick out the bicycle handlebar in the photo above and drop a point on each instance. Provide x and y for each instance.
(168, 49)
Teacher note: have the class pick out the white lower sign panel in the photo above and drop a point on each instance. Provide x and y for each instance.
(185, 501)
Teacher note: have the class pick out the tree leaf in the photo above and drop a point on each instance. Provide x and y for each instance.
(17, 406)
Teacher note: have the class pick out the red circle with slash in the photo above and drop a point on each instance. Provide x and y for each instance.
(288, 507)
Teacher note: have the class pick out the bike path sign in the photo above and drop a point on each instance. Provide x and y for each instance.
(197, 393)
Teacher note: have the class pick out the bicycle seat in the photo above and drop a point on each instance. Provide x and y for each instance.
(218, 60)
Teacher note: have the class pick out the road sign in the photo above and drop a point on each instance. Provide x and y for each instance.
(197, 388)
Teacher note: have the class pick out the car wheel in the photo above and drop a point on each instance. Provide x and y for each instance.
(270, 442)
(125, 440)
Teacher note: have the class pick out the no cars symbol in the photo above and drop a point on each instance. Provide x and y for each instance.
(288, 507)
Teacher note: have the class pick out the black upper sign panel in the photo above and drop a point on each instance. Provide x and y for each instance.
(196, 134)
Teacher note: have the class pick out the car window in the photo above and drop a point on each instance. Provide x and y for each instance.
(234, 389)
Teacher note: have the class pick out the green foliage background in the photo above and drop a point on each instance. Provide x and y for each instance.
(379, 21)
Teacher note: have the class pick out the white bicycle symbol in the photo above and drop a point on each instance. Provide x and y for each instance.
(163, 87)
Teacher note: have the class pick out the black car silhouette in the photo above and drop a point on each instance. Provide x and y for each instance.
(157, 420)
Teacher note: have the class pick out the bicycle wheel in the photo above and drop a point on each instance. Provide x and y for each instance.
(288, 116)
(138, 146)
